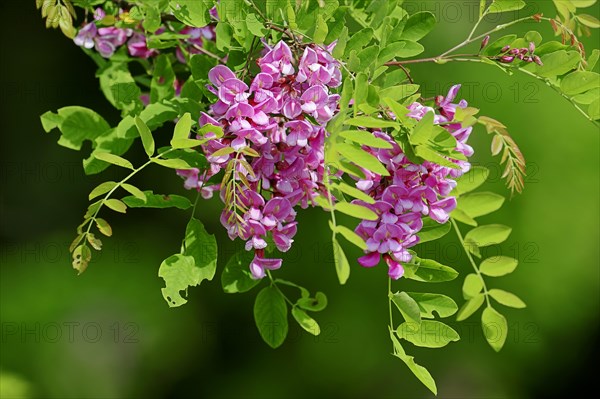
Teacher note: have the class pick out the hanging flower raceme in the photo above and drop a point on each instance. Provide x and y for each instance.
(411, 191)
(275, 130)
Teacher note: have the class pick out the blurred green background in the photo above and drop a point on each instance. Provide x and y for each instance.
(110, 334)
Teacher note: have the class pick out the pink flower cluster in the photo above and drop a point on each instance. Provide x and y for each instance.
(410, 192)
(107, 40)
(281, 117)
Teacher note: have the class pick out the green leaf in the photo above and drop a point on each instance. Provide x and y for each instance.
(408, 307)
(179, 273)
(361, 158)
(354, 192)
(172, 163)
(361, 91)
(342, 267)
(96, 243)
(255, 26)
(158, 201)
(490, 234)
(136, 192)
(359, 40)
(201, 246)
(471, 180)
(558, 63)
(81, 258)
(390, 51)
(495, 328)
(306, 322)
(351, 236)
(459, 215)
(367, 57)
(550, 47)
(496, 46)
(429, 271)
(428, 334)
(470, 307)
(498, 266)
(355, 210)
(236, 276)
(316, 304)
(418, 26)
(223, 31)
(183, 128)
(119, 87)
(505, 6)
(593, 59)
(321, 30)
(104, 227)
(433, 156)
(588, 20)
(181, 144)
(192, 158)
(365, 138)
(102, 188)
(146, 135)
(370, 122)
(190, 12)
(270, 314)
(472, 286)
(429, 303)
(579, 81)
(479, 204)
(507, 299)
(432, 230)
(116, 205)
(594, 110)
(76, 125)
(163, 78)
(152, 20)
(410, 49)
(113, 159)
(423, 131)
(419, 371)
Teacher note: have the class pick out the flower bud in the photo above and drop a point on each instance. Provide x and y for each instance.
(505, 49)
(514, 51)
(532, 47)
(485, 42)
(507, 59)
(538, 60)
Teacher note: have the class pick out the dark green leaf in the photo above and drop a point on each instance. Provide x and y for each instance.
(432, 230)
(201, 246)
(270, 314)
(408, 307)
(236, 276)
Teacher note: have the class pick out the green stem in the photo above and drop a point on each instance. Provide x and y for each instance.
(390, 302)
(119, 184)
(274, 284)
(540, 78)
(462, 243)
(472, 39)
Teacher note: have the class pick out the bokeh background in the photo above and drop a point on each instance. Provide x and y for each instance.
(110, 334)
